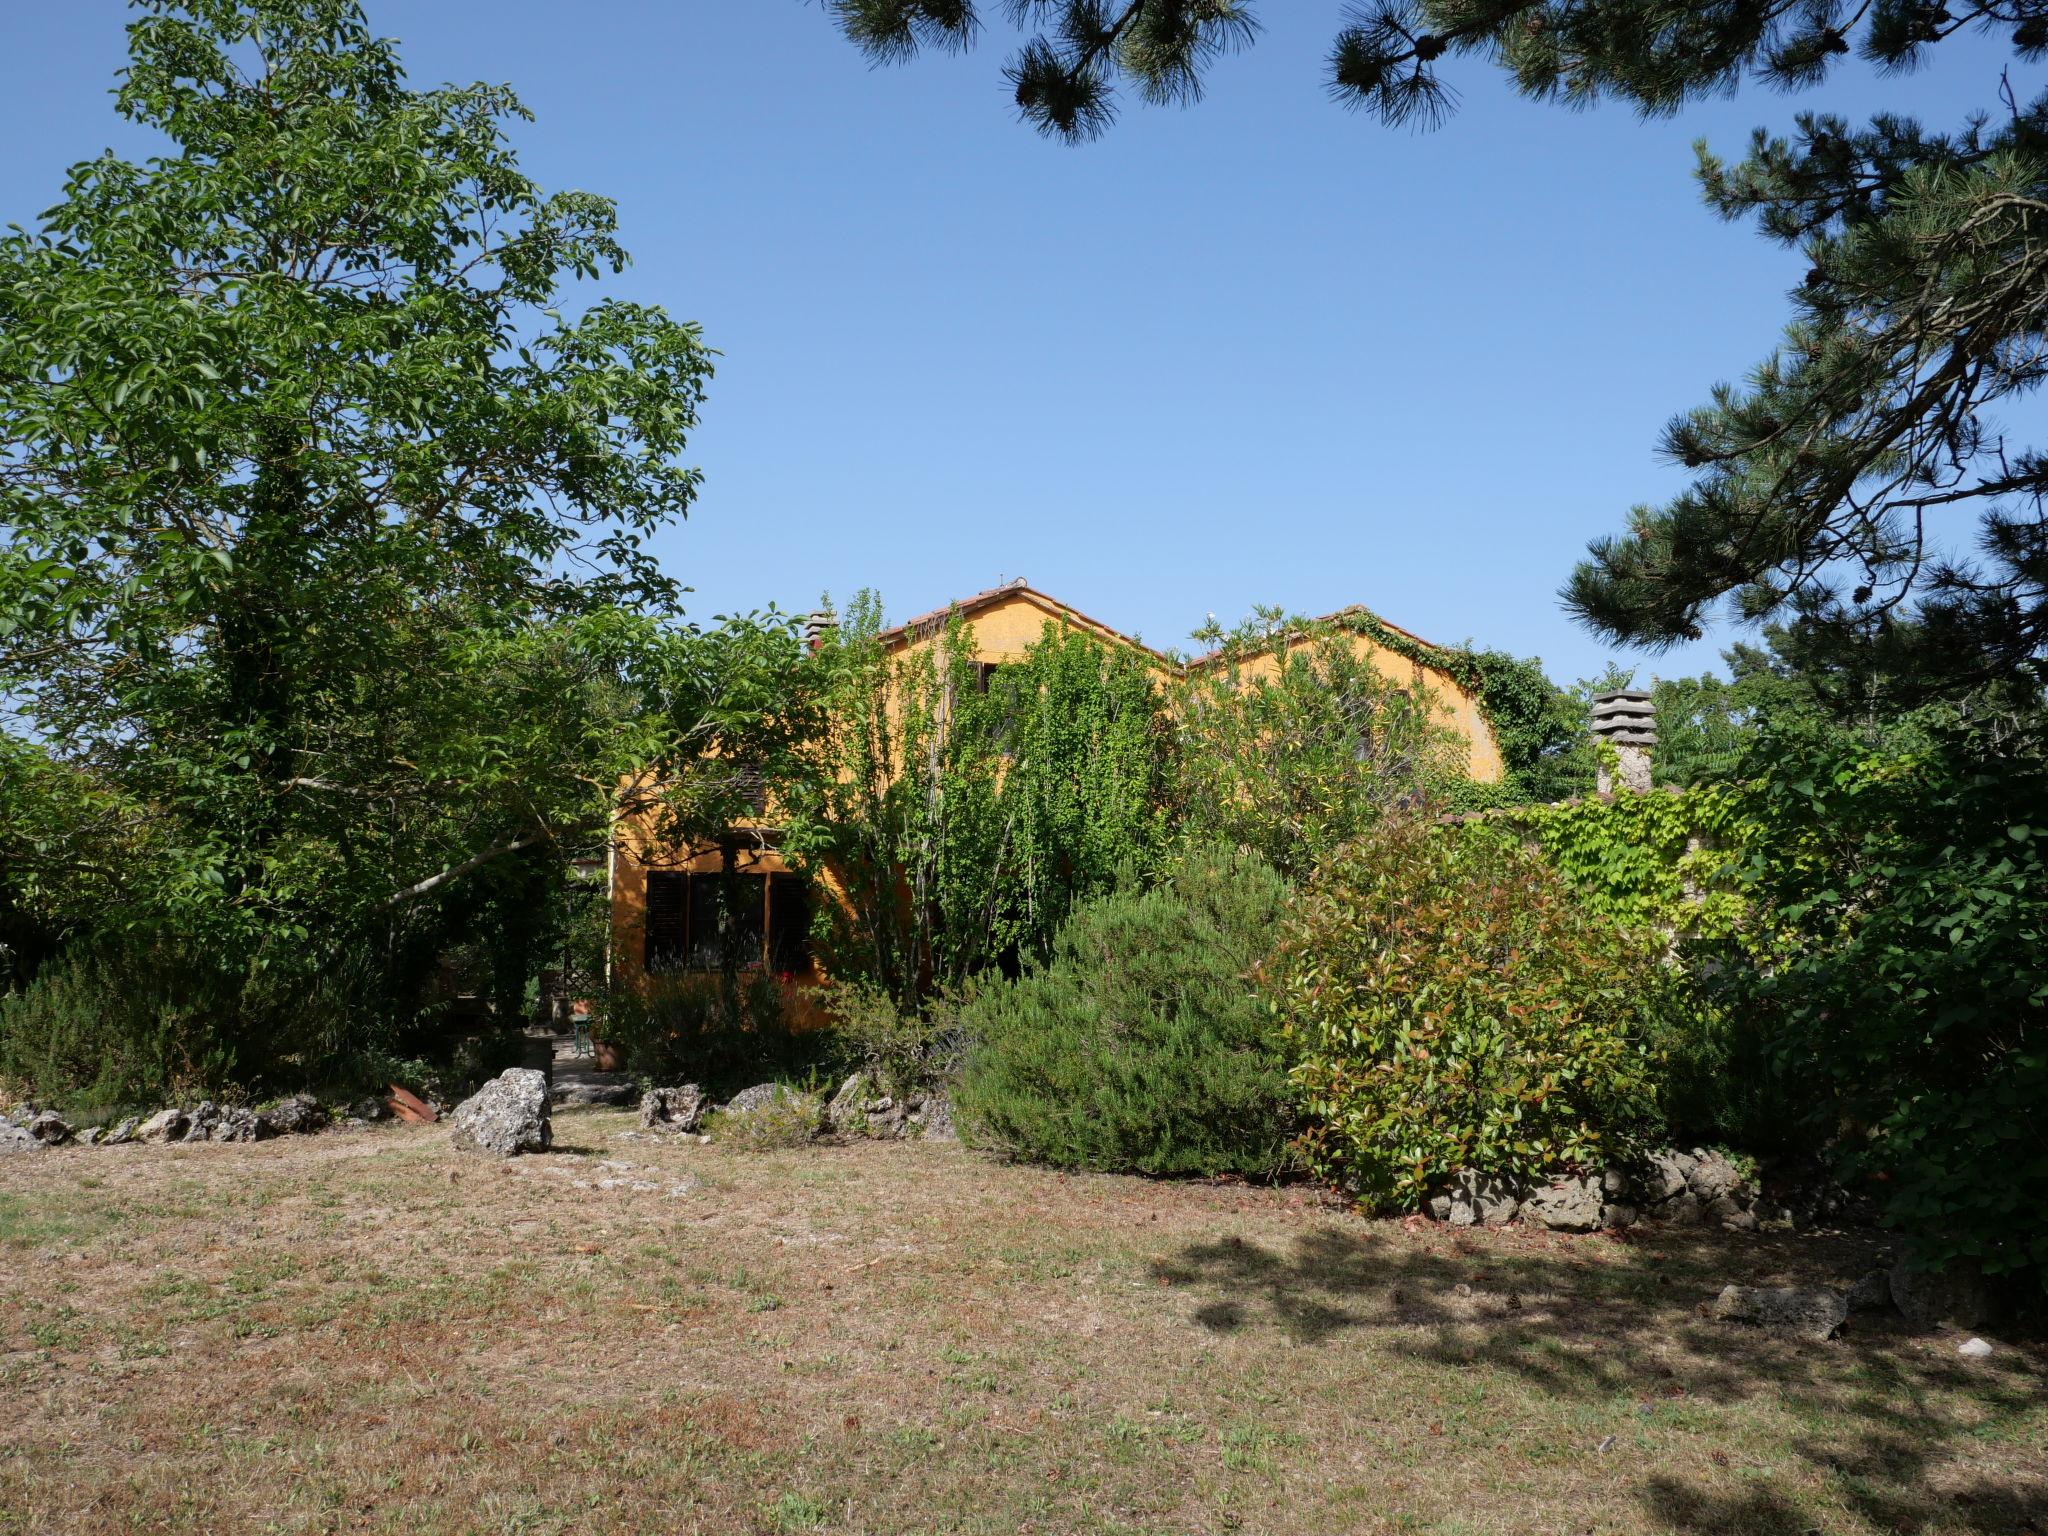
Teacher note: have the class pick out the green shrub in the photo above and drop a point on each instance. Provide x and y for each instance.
(1142, 1044)
(110, 1029)
(1453, 1007)
(787, 1117)
(901, 1053)
(1906, 995)
(723, 1034)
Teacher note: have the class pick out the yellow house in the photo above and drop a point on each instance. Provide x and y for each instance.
(662, 899)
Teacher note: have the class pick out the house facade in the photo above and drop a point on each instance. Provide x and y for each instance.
(665, 901)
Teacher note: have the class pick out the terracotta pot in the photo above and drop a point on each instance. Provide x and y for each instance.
(608, 1057)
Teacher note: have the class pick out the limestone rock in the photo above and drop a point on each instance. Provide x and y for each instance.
(1714, 1178)
(1685, 1211)
(235, 1124)
(204, 1117)
(938, 1119)
(1479, 1200)
(1957, 1297)
(296, 1116)
(1726, 1210)
(672, 1109)
(1619, 1215)
(1974, 1349)
(1663, 1178)
(164, 1125)
(749, 1099)
(121, 1134)
(50, 1128)
(1812, 1314)
(14, 1138)
(507, 1116)
(1571, 1205)
(886, 1117)
(1873, 1293)
(845, 1113)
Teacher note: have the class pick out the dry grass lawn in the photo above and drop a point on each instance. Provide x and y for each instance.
(368, 1331)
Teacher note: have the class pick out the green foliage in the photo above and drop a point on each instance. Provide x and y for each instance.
(1289, 743)
(323, 510)
(901, 1053)
(790, 1117)
(111, 1029)
(1658, 863)
(1906, 996)
(1142, 1044)
(723, 1033)
(963, 813)
(1452, 1006)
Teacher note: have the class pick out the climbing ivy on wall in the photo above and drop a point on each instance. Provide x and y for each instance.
(962, 811)
(1660, 862)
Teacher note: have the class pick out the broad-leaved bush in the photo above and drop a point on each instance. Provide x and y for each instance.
(1451, 1004)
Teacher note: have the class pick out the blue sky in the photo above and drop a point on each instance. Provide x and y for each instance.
(1259, 350)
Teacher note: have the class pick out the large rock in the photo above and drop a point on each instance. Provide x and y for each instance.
(507, 1116)
(672, 1109)
(1873, 1293)
(50, 1128)
(846, 1111)
(1476, 1200)
(164, 1125)
(295, 1116)
(1812, 1314)
(1925, 1299)
(1571, 1205)
(1685, 1211)
(771, 1115)
(205, 1116)
(747, 1100)
(123, 1133)
(1661, 1177)
(14, 1138)
(938, 1119)
(1714, 1178)
(235, 1124)
(1729, 1212)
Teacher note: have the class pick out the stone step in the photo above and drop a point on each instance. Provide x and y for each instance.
(582, 1085)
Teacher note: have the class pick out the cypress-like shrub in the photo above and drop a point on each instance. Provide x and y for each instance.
(1453, 1006)
(1143, 1043)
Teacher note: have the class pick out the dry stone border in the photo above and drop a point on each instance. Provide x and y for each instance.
(1681, 1188)
(28, 1128)
(856, 1110)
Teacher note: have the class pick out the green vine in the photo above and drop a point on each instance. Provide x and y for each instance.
(1663, 862)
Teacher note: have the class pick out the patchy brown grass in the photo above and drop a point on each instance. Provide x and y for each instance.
(369, 1332)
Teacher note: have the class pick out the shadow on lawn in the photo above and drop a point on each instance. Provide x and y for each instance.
(1597, 1325)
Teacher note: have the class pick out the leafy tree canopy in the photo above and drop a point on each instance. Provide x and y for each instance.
(1822, 481)
(321, 515)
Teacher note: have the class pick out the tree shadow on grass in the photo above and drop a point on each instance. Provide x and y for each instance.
(1598, 1320)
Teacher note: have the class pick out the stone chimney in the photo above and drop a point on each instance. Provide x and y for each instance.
(1628, 720)
(817, 626)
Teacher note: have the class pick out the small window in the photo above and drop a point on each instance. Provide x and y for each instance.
(668, 916)
(789, 923)
(728, 915)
